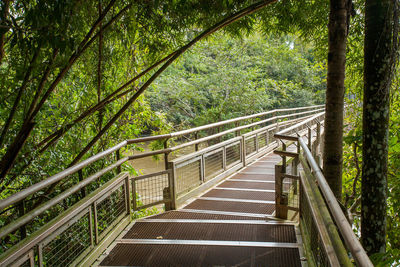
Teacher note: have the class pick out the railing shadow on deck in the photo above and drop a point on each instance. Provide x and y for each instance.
(79, 234)
(301, 187)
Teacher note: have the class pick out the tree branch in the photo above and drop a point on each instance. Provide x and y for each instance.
(4, 14)
(9, 157)
(20, 90)
(229, 20)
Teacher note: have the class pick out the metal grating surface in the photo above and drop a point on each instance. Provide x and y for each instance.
(213, 165)
(211, 231)
(241, 195)
(248, 185)
(262, 177)
(259, 170)
(265, 164)
(181, 255)
(202, 204)
(201, 216)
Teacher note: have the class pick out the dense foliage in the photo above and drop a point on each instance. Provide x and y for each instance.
(223, 77)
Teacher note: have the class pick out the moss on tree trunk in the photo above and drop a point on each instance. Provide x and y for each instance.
(378, 64)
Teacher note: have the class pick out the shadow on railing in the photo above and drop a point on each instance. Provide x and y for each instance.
(81, 232)
(327, 235)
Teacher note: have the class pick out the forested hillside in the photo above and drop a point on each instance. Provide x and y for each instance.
(225, 77)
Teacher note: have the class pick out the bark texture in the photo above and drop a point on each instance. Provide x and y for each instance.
(333, 158)
(378, 63)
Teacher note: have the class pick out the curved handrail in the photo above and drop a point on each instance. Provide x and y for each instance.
(15, 198)
(345, 229)
(350, 239)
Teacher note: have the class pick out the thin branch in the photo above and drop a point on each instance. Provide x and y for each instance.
(249, 10)
(8, 159)
(6, 5)
(357, 165)
(20, 90)
(99, 71)
(42, 82)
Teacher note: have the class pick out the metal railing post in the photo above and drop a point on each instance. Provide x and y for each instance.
(318, 142)
(166, 154)
(172, 185)
(283, 158)
(134, 195)
(127, 196)
(280, 210)
(224, 158)
(257, 144)
(95, 224)
(244, 150)
(202, 169)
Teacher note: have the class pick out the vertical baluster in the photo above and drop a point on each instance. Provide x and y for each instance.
(243, 141)
(134, 195)
(172, 184)
(127, 196)
(283, 158)
(95, 225)
(166, 154)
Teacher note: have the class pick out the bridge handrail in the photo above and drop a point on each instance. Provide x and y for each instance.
(171, 189)
(352, 242)
(17, 197)
(218, 124)
(293, 134)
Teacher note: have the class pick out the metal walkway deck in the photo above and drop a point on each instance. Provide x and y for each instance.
(230, 225)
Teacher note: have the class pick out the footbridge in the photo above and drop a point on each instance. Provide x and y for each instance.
(250, 192)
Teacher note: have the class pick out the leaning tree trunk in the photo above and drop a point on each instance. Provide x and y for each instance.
(378, 62)
(338, 21)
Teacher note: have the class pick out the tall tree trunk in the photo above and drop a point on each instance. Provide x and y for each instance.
(338, 25)
(378, 66)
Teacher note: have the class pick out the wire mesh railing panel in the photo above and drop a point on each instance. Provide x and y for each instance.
(213, 164)
(250, 145)
(262, 140)
(150, 190)
(232, 154)
(110, 208)
(313, 239)
(188, 175)
(291, 190)
(27, 263)
(68, 245)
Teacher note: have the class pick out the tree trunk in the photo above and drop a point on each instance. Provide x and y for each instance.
(378, 62)
(338, 23)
